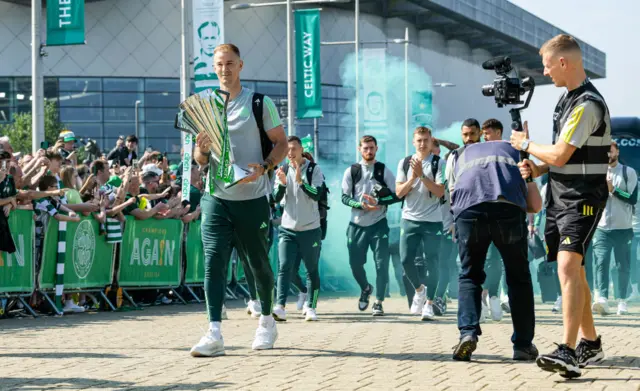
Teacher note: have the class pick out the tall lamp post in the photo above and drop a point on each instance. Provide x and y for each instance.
(289, 4)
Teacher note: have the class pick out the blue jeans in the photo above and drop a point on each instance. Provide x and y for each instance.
(505, 226)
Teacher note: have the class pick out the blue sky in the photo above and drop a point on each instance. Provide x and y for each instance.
(611, 26)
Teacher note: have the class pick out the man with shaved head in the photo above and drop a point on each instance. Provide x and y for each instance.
(577, 194)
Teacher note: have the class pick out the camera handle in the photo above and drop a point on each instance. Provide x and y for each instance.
(516, 126)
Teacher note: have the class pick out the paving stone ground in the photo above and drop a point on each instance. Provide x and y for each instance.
(345, 350)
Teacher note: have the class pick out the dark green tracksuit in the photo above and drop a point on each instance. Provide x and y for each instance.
(300, 232)
(368, 229)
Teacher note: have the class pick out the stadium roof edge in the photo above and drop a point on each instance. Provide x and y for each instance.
(499, 26)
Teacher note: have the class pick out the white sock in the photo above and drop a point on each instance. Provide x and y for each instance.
(634, 287)
(267, 320)
(215, 327)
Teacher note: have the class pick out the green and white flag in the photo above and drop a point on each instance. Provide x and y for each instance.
(374, 96)
(208, 32)
(307, 144)
(308, 83)
(421, 109)
(374, 87)
(65, 22)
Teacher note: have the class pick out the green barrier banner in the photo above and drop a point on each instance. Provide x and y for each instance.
(150, 253)
(65, 22)
(309, 89)
(195, 255)
(16, 270)
(89, 258)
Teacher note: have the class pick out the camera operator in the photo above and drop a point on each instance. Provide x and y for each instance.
(577, 163)
(489, 201)
(125, 154)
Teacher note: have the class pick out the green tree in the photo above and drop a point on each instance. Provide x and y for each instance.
(19, 131)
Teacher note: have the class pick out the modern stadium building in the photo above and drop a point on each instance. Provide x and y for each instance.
(132, 53)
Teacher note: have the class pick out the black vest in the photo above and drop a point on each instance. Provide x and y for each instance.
(582, 180)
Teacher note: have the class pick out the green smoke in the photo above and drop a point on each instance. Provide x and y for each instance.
(334, 266)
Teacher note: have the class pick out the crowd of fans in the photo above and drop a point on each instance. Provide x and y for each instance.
(55, 184)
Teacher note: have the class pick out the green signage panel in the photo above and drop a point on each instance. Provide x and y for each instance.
(89, 258)
(16, 270)
(150, 253)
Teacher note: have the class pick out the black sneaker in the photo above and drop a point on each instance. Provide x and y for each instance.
(377, 309)
(363, 303)
(439, 306)
(589, 352)
(462, 351)
(563, 361)
(525, 354)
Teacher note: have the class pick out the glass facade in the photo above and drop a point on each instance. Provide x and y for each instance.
(104, 108)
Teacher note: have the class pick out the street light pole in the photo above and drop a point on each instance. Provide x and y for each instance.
(290, 130)
(406, 91)
(37, 83)
(357, 95)
(137, 118)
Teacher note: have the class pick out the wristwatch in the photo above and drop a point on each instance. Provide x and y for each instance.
(524, 145)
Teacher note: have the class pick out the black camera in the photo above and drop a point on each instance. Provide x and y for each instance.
(507, 87)
(91, 148)
(380, 191)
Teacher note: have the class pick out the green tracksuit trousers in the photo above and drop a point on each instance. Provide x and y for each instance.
(359, 240)
(307, 245)
(248, 223)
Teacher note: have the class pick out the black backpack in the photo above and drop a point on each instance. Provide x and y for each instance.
(257, 108)
(435, 162)
(323, 203)
(356, 175)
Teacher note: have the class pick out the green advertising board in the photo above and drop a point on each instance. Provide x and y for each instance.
(150, 253)
(195, 255)
(89, 258)
(16, 270)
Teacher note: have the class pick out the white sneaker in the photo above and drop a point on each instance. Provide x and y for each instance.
(305, 308)
(266, 334)
(635, 295)
(622, 308)
(166, 300)
(212, 344)
(601, 306)
(418, 301)
(70, 306)
(484, 312)
(302, 299)
(557, 306)
(311, 315)
(223, 315)
(505, 305)
(427, 312)
(254, 308)
(279, 313)
(495, 308)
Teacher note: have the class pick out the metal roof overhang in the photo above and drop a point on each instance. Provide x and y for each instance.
(27, 3)
(497, 26)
